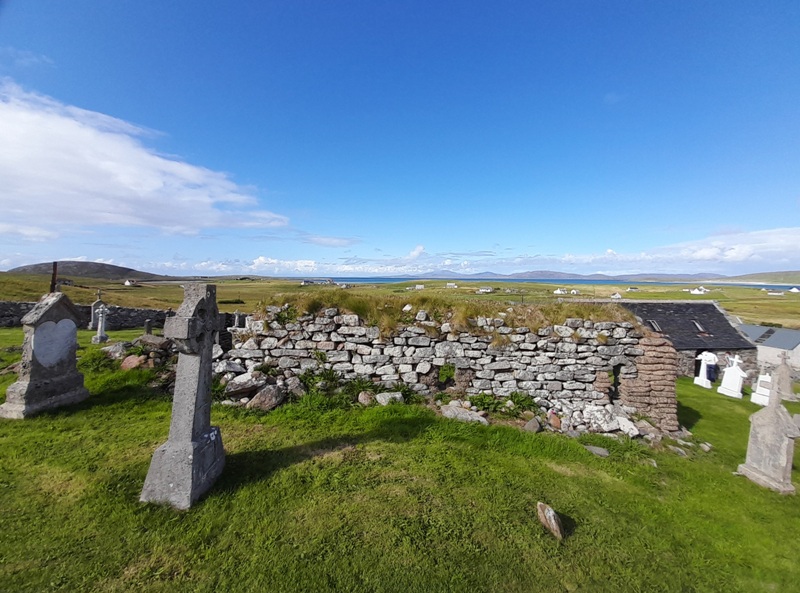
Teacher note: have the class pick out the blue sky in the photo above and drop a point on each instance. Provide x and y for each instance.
(357, 138)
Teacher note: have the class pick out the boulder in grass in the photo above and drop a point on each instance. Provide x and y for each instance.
(599, 451)
(386, 398)
(533, 425)
(268, 398)
(550, 519)
(365, 398)
(462, 414)
(133, 362)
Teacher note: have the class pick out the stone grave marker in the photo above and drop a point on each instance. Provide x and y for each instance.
(148, 327)
(771, 447)
(732, 378)
(95, 306)
(706, 359)
(782, 379)
(191, 460)
(101, 336)
(760, 394)
(48, 376)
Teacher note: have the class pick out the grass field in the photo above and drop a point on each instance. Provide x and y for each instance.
(751, 304)
(317, 497)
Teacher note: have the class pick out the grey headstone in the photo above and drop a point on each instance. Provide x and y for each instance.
(101, 336)
(770, 449)
(191, 460)
(48, 375)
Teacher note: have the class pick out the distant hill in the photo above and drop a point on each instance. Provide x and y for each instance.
(768, 278)
(551, 275)
(82, 269)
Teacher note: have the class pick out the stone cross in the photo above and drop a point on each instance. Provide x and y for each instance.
(770, 449)
(732, 378)
(191, 460)
(94, 308)
(48, 376)
(101, 336)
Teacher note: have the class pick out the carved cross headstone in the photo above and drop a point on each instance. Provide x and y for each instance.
(101, 336)
(191, 460)
(760, 394)
(770, 449)
(95, 308)
(48, 376)
(732, 378)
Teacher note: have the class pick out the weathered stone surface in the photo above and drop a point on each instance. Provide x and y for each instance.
(533, 425)
(462, 414)
(599, 451)
(267, 398)
(550, 520)
(188, 464)
(388, 397)
(133, 362)
(48, 376)
(366, 398)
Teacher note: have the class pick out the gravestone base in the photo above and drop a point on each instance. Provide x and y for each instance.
(763, 479)
(181, 472)
(24, 399)
(99, 339)
(729, 392)
(759, 398)
(702, 382)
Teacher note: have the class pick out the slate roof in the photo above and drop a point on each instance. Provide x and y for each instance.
(774, 337)
(690, 326)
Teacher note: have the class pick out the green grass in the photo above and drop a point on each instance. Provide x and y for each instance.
(315, 498)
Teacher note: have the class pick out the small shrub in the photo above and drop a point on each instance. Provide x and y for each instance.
(96, 361)
(522, 401)
(486, 402)
(230, 302)
(447, 372)
(286, 315)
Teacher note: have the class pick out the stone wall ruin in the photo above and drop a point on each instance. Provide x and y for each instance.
(588, 373)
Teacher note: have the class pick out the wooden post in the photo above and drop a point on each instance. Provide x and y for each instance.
(54, 277)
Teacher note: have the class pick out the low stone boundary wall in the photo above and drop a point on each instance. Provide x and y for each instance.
(582, 370)
(12, 312)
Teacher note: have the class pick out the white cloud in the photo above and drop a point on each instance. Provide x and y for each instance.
(416, 252)
(62, 167)
(30, 233)
(329, 241)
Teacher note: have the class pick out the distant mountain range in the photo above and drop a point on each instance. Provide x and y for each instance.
(81, 269)
(551, 275)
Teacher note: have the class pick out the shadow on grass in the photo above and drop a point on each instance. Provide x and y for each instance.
(687, 416)
(255, 466)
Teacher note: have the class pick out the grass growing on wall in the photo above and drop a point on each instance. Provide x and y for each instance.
(317, 497)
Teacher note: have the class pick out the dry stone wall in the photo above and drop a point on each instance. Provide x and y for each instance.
(587, 373)
(12, 312)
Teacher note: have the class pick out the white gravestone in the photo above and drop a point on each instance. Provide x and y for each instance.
(770, 449)
(705, 358)
(732, 378)
(188, 464)
(760, 394)
(48, 376)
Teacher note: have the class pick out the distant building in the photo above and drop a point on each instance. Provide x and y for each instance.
(616, 295)
(699, 290)
(485, 290)
(771, 341)
(694, 328)
(775, 293)
(131, 282)
(419, 287)
(451, 285)
(574, 291)
(632, 289)
(560, 291)
(794, 289)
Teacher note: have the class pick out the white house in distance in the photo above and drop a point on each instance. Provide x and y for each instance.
(616, 295)
(560, 291)
(451, 285)
(484, 290)
(699, 290)
(794, 289)
(772, 341)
